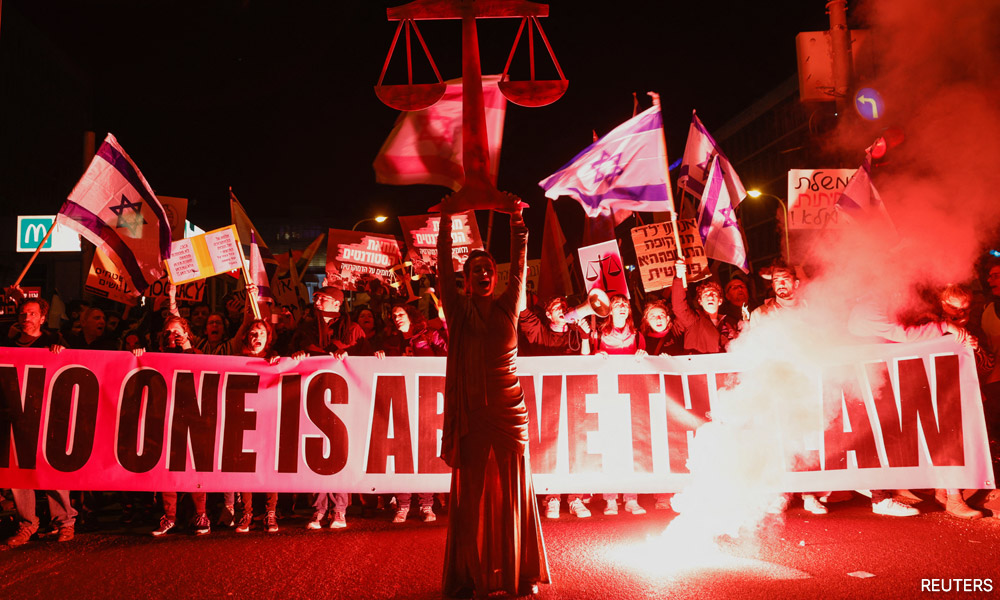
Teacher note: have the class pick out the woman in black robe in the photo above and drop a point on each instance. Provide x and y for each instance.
(494, 535)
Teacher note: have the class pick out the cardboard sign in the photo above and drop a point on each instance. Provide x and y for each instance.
(353, 257)
(603, 268)
(106, 280)
(813, 195)
(530, 282)
(176, 211)
(656, 252)
(205, 255)
(420, 232)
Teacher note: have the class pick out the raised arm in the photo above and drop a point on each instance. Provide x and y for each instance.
(445, 266)
(518, 250)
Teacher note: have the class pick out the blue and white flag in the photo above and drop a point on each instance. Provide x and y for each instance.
(717, 221)
(860, 201)
(625, 169)
(113, 207)
(698, 154)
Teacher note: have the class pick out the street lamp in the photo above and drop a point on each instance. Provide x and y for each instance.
(757, 194)
(378, 219)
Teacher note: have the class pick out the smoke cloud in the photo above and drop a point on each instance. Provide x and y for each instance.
(938, 65)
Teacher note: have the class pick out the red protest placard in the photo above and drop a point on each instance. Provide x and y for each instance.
(421, 233)
(353, 257)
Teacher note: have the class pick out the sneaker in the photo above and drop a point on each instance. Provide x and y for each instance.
(202, 525)
(271, 522)
(633, 507)
(891, 508)
(812, 504)
(663, 504)
(427, 512)
(246, 519)
(165, 526)
(956, 507)
(66, 533)
(611, 508)
(338, 521)
(227, 516)
(24, 533)
(401, 514)
(316, 522)
(552, 509)
(577, 507)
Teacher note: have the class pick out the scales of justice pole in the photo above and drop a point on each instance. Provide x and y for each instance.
(479, 190)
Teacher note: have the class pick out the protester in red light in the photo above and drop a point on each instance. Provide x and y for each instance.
(706, 331)
(660, 333)
(869, 319)
(555, 337)
(494, 534)
(785, 284)
(91, 336)
(31, 315)
(176, 338)
(256, 343)
(412, 338)
(327, 329)
(661, 336)
(619, 336)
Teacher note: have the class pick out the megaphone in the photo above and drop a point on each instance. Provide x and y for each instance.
(597, 304)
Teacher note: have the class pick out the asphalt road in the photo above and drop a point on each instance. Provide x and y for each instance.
(849, 553)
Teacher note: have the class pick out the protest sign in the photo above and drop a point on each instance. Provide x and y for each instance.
(8, 305)
(899, 416)
(603, 268)
(106, 280)
(813, 195)
(530, 282)
(656, 252)
(355, 257)
(176, 211)
(420, 232)
(212, 253)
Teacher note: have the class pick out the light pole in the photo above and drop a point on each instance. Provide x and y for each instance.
(378, 219)
(784, 206)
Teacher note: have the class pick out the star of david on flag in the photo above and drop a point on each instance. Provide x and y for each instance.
(625, 169)
(717, 221)
(699, 151)
(132, 221)
(113, 207)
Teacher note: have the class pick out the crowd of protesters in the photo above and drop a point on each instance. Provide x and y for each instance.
(702, 318)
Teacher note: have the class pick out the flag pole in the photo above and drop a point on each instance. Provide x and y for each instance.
(35, 255)
(246, 279)
(666, 166)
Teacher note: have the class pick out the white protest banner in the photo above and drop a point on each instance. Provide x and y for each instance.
(212, 253)
(603, 268)
(812, 196)
(899, 416)
(656, 252)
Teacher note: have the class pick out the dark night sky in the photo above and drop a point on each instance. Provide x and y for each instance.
(275, 98)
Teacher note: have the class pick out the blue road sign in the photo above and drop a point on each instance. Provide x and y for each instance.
(869, 104)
